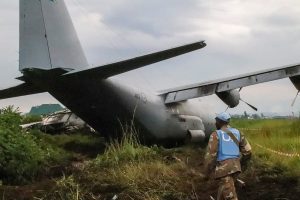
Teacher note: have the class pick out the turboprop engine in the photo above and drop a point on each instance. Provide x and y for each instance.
(230, 98)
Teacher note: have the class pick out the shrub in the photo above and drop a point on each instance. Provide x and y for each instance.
(22, 155)
(10, 118)
(31, 118)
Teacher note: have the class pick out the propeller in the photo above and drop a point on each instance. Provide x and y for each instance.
(251, 106)
(294, 101)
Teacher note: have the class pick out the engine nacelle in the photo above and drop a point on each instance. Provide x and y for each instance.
(296, 81)
(196, 136)
(230, 98)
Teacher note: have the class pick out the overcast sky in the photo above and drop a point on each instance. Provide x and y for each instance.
(241, 35)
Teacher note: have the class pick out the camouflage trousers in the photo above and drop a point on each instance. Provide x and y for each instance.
(226, 189)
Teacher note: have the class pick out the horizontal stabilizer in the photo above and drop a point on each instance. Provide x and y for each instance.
(113, 69)
(20, 90)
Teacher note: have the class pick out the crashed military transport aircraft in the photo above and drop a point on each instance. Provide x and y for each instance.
(52, 60)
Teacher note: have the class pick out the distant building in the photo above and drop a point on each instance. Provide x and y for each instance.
(45, 109)
(282, 117)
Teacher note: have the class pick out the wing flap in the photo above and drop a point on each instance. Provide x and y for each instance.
(20, 90)
(221, 85)
(113, 69)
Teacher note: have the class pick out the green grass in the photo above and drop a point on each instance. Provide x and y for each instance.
(23, 157)
(128, 149)
(263, 123)
(87, 144)
(31, 118)
(275, 134)
(132, 171)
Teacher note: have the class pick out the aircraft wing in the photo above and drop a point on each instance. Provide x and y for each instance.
(20, 90)
(113, 69)
(226, 84)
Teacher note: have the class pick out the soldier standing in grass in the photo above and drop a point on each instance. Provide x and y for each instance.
(225, 148)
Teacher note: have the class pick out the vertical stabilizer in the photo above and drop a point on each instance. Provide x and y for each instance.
(48, 38)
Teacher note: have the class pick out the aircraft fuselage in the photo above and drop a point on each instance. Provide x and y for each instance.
(109, 105)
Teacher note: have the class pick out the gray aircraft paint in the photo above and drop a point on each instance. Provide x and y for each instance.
(102, 102)
(49, 49)
(231, 83)
(47, 37)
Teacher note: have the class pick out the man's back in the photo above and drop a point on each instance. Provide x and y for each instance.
(225, 148)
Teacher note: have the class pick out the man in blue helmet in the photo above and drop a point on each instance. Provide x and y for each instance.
(225, 148)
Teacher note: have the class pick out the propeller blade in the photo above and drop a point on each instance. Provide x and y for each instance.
(254, 108)
(227, 108)
(294, 101)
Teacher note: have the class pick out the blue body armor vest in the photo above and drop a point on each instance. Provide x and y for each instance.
(227, 147)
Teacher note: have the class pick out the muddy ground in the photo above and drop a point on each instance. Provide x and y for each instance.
(261, 183)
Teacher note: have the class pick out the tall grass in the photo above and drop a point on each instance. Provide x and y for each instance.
(139, 172)
(130, 171)
(128, 149)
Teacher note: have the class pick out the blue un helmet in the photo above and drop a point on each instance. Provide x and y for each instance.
(224, 116)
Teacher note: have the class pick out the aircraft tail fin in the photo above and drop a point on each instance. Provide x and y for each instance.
(48, 38)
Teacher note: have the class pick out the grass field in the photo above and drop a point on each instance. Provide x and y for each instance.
(129, 170)
(274, 141)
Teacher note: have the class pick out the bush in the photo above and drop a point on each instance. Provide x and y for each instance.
(22, 155)
(10, 118)
(31, 118)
